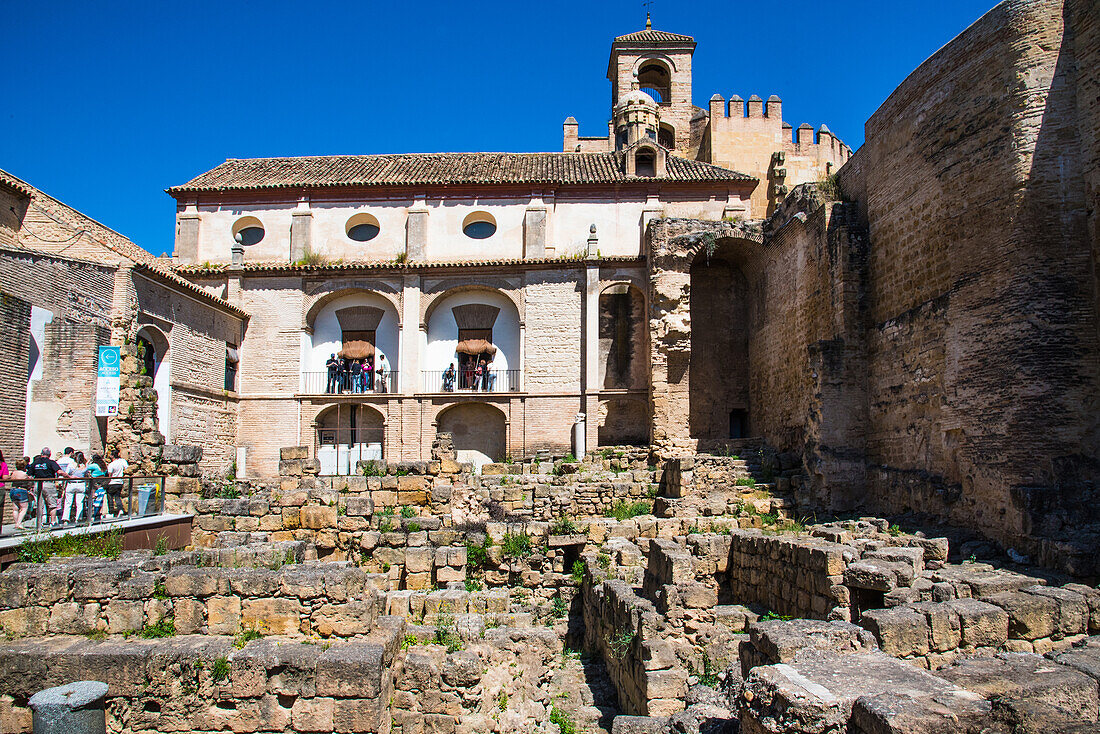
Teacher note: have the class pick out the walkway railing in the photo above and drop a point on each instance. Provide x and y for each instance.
(59, 504)
(321, 383)
(468, 381)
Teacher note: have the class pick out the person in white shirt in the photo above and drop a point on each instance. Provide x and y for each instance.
(68, 464)
(115, 470)
(75, 492)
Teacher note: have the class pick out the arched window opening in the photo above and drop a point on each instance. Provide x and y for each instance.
(250, 230)
(347, 435)
(622, 325)
(479, 225)
(645, 164)
(362, 227)
(655, 81)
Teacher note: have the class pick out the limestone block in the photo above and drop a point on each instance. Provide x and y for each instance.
(195, 582)
(462, 669)
(25, 621)
(224, 615)
(1030, 616)
(316, 517)
(272, 616)
(359, 506)
(944, 626)
(900, 631)
(695, 595)
(1073, 609)
(71, 618)
(189, 616)
(360, 715)
(291, 453)
(418, 559)
(351, 670)
(982, 624)
(344, 620)
(877, 576)
(447, 574)
(312, 715)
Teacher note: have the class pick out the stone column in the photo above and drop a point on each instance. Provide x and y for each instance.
(591, 343)
(416, 230)
(301, 231)
(74, 708)
(123, 305)
(409, 369)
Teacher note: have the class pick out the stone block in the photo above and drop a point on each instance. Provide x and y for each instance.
(359, 506)
(343, 620)
(25, 621)
(172, 453)
(359, 715)
(224, 615)
(418, 559)
(272, 616)
(982, 624)
(312, 715)
(317, 517)
(900, 631)
(195, 582)
(1072, 617)
(462, 669)
(291, 453)
(1030, 617)
(71, 618)
(943, 623)
(876, 576)
(351, 670)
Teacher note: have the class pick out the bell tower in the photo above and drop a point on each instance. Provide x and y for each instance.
(658, 63)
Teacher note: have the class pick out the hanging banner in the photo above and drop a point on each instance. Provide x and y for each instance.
(108, 381)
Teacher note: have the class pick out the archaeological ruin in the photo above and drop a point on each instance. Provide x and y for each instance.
(707, 425)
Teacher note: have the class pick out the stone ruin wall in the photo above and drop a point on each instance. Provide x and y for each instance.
(981, 297)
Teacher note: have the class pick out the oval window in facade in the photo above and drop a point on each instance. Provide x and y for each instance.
(479, 225)
(362, 227)
(249, 229)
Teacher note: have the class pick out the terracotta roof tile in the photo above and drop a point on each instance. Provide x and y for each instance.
(442, 169)
(651, 36)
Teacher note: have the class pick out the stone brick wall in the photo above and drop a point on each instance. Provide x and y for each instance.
(15, 320)
(982, 310)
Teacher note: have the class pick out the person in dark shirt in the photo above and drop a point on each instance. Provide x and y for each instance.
(43, 467)
(333, 367)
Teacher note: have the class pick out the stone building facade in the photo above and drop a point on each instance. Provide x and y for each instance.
(104, 290)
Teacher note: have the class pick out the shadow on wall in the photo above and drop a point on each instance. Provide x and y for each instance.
(479, 432)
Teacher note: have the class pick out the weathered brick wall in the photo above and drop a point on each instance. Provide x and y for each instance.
(15, 319)
(552, 358)
(982, 337)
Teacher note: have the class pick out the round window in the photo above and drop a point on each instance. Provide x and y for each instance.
(249, 230)
(479, 226)
(362, 227)
(363, 232)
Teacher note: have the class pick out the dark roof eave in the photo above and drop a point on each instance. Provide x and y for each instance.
(389, 265)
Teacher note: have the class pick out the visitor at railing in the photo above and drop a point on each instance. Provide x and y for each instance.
(43, 467)
(342, 382)
(20, 497)
(476, 378)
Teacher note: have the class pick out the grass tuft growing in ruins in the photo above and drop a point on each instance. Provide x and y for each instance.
(564, 526)
(623, 510)
(745, 482)
(246, 636)
(770, 615)
(40, 549)
(516, 545)
(620, 642)
(373, 469)
(565, 724)
(220, 670)
(164, 628)
(477, 554)
(578, 570)
(445, 632)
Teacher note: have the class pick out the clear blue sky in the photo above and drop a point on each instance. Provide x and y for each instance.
(107, 104)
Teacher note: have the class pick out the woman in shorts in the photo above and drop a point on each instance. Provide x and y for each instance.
(20, 497)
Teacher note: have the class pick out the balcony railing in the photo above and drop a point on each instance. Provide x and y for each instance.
(57, 504)
(322, 383)
(467, 381)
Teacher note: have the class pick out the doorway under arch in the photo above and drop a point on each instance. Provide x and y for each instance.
(718, 376)
(347, 434)
(480, 432)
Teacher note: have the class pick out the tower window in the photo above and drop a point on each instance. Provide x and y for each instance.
(655, 81)
(250, 230)
(362, 227)
(645, 165)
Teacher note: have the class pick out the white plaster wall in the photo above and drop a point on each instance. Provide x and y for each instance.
(40, 425)
(216, 232)
(329, 229)
(438, 344)
(618, 223)
(327, 337)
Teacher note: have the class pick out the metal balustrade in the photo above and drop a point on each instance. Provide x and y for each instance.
(492, 381)
(321, 383)
(81, 502)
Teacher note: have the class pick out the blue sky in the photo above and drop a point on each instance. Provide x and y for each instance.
(107, 104)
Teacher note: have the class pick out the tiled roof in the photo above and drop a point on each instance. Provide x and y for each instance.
(437, 169)
(651, 36)
(344, 265)
(113, 241)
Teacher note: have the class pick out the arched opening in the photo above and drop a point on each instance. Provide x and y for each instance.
(666, 136)
(623, 422)
(479, 430)
(249, 229)
(354, 348)
(347, 434)
(472, 343)
(655, 80)
(645, 164)
(718, 376)
(153, 350)
(622, 333)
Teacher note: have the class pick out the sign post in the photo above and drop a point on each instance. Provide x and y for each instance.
(108, 381)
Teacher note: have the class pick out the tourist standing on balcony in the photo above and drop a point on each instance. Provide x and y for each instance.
(383, 368)
(487, 377)
(356, 376)
(115, 470)
(368, 375)
(43, 467)
(20, 497)
(479, 373)
(449, 379)
(333, 367)
(97, 470)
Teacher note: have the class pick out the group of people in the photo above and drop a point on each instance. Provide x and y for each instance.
(355, 376)
(78, 477)
(475, 376)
